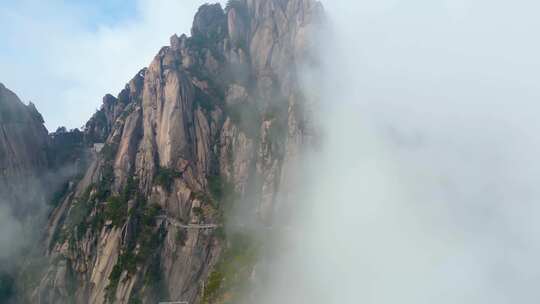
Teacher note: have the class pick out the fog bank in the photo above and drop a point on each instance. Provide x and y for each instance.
(425, 188)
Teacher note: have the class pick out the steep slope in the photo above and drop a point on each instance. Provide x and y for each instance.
(23, 147)
(33, 166)
(197, 145)
(23, 162)
(30, 157)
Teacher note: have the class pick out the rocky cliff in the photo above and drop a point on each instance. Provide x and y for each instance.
(23, 149)
(33, 166)
(197, 148)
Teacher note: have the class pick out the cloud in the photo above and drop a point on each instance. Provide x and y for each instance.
(425, 188)
(65, 57)
(11, 235)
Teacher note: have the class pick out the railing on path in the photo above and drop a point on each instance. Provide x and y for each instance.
(187, 226)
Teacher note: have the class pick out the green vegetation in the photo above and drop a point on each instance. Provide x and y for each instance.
(135, 300)
(116, 210)
(75, 222)
(181, 236)
(105, 182)
(130, 108)
(100, 118)
(213, 286)
(7, 287)
(231, 274)
(116, 207)
(215, 186)
(81, 215)
(109, 151)
(246, 116)
(126, 262)
(198, 211)
(200, 41)
(66, 147)
(148, 241)
(220, 233)
(222, 192)
(59, 195)
(221, 199)
(204, 100)
(165, 177)
(107, 174)
(207, 38)
(201, 196)
(57, 237)
(97, 221)
(153, 278)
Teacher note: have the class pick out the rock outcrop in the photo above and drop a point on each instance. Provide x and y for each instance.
(34, 167)
(23, 149)
(207, 130)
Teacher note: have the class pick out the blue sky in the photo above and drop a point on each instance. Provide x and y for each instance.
(109, 12)
(66, 55)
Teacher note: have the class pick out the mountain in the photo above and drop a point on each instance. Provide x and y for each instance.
(34, 166)
(23, 148)
(30, 156)
(24, 164)
(190, 158)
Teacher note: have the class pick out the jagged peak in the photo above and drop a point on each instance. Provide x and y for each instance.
(205, 107)
(214, 23)
(35, 113)
(108, 99)
(209, 21)
(177, 42)
(12, 109)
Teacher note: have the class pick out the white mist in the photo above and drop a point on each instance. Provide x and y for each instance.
(425, 189)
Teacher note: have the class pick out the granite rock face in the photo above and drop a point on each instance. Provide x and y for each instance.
(214, 121)
(23, 151)
(34, 165)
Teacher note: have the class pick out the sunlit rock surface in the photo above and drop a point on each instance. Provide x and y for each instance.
(208, 129)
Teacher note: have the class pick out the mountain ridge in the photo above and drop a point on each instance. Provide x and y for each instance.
(207, 134)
